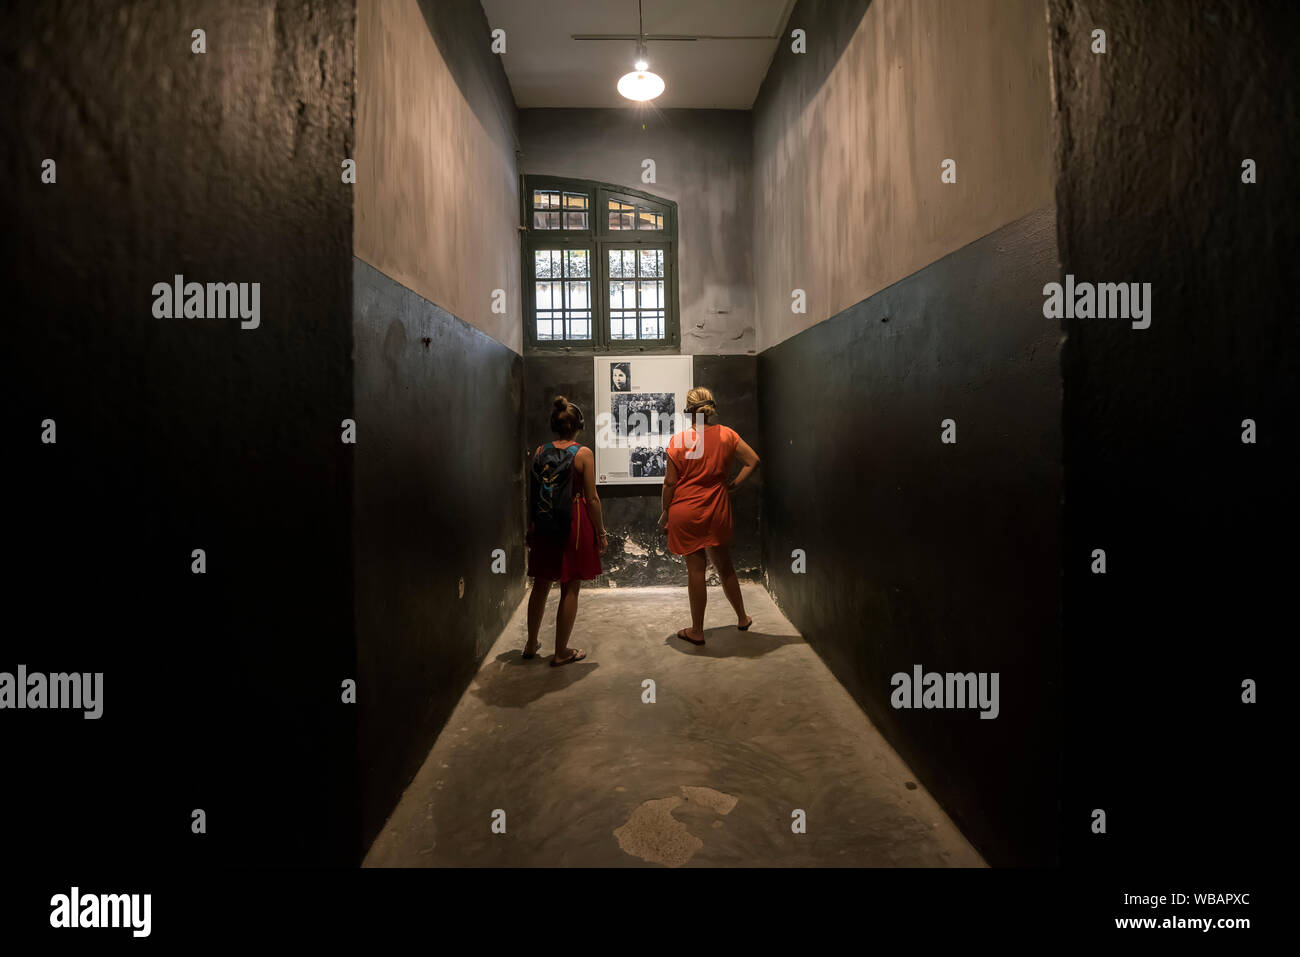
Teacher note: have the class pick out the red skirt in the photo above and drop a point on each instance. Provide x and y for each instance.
(564, 560)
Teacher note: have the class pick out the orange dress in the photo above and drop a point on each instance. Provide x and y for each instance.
(700, 514)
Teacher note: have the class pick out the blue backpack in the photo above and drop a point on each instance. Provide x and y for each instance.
(550, 490)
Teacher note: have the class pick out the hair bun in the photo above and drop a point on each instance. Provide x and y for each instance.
(566, 418)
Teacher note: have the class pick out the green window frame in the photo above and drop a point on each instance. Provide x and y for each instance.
(599, 268)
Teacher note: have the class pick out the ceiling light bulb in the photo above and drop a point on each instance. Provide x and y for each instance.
(640, 86)
(641, 64)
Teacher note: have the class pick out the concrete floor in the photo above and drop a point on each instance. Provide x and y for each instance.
(744, 731)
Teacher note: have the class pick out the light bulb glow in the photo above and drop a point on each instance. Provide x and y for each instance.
(641, 65)
(640, 86)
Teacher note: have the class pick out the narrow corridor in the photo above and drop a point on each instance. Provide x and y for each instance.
(743, 732)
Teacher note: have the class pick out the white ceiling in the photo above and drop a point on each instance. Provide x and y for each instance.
(547, 68)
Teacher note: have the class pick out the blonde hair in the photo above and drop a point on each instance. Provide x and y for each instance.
(701, 401)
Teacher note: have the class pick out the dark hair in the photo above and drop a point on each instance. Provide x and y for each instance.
(566, 418)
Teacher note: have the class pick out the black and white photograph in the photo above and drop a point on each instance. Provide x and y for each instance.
(620, 377)
(648, 462)
(643, 413)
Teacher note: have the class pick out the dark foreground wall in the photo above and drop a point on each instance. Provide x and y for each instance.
(438, 386)
(923, 553)
(1198, 528)
(439, 486)
(638, 550)
(222, 691)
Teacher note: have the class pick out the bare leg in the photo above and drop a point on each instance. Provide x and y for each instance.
(536, 609)
(564, 620)
(720, 555)
(697, 564)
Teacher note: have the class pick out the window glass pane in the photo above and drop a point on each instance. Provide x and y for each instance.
(577, 263)
(546, 199)
(575, 200)
(546, 264)
(622, 325)
(621, 215)
(562, 294)
(622, 263)
(575, 220)
(622, 295)
(546, 220)
(652, 325)
(652, 295)
(649, 219)
(652, 262)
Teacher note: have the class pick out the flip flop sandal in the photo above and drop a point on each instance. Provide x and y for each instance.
(745, 627)
(528, 657)
(576, 656)
(685, 637)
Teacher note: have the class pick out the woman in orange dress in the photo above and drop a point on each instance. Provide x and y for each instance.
(697, 506)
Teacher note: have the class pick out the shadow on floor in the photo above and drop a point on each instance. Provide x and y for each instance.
(517, 683)
(730, 642)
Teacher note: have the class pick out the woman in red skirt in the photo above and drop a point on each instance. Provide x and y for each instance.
(573, 558)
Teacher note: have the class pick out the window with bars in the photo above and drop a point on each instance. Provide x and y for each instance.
(599, 268)
(562, 292)
(636, 293)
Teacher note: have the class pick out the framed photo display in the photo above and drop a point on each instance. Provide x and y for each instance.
(640, 405)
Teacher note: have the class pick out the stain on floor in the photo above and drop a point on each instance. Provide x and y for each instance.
(654, 834)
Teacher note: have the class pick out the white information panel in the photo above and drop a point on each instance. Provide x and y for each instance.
(640, 405)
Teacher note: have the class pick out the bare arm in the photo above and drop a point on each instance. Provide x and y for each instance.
(587, 463)
(748, 457)
(670, 487)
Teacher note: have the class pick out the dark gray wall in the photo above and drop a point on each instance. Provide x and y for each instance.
(703, 162)
(638, 551)
(924, 553)
(439, 482)
(1196, 525)
(924, 304)
(439, 486)
(222, 691)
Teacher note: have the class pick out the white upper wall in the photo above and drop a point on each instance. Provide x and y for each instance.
(849, 138)
(437, 194)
